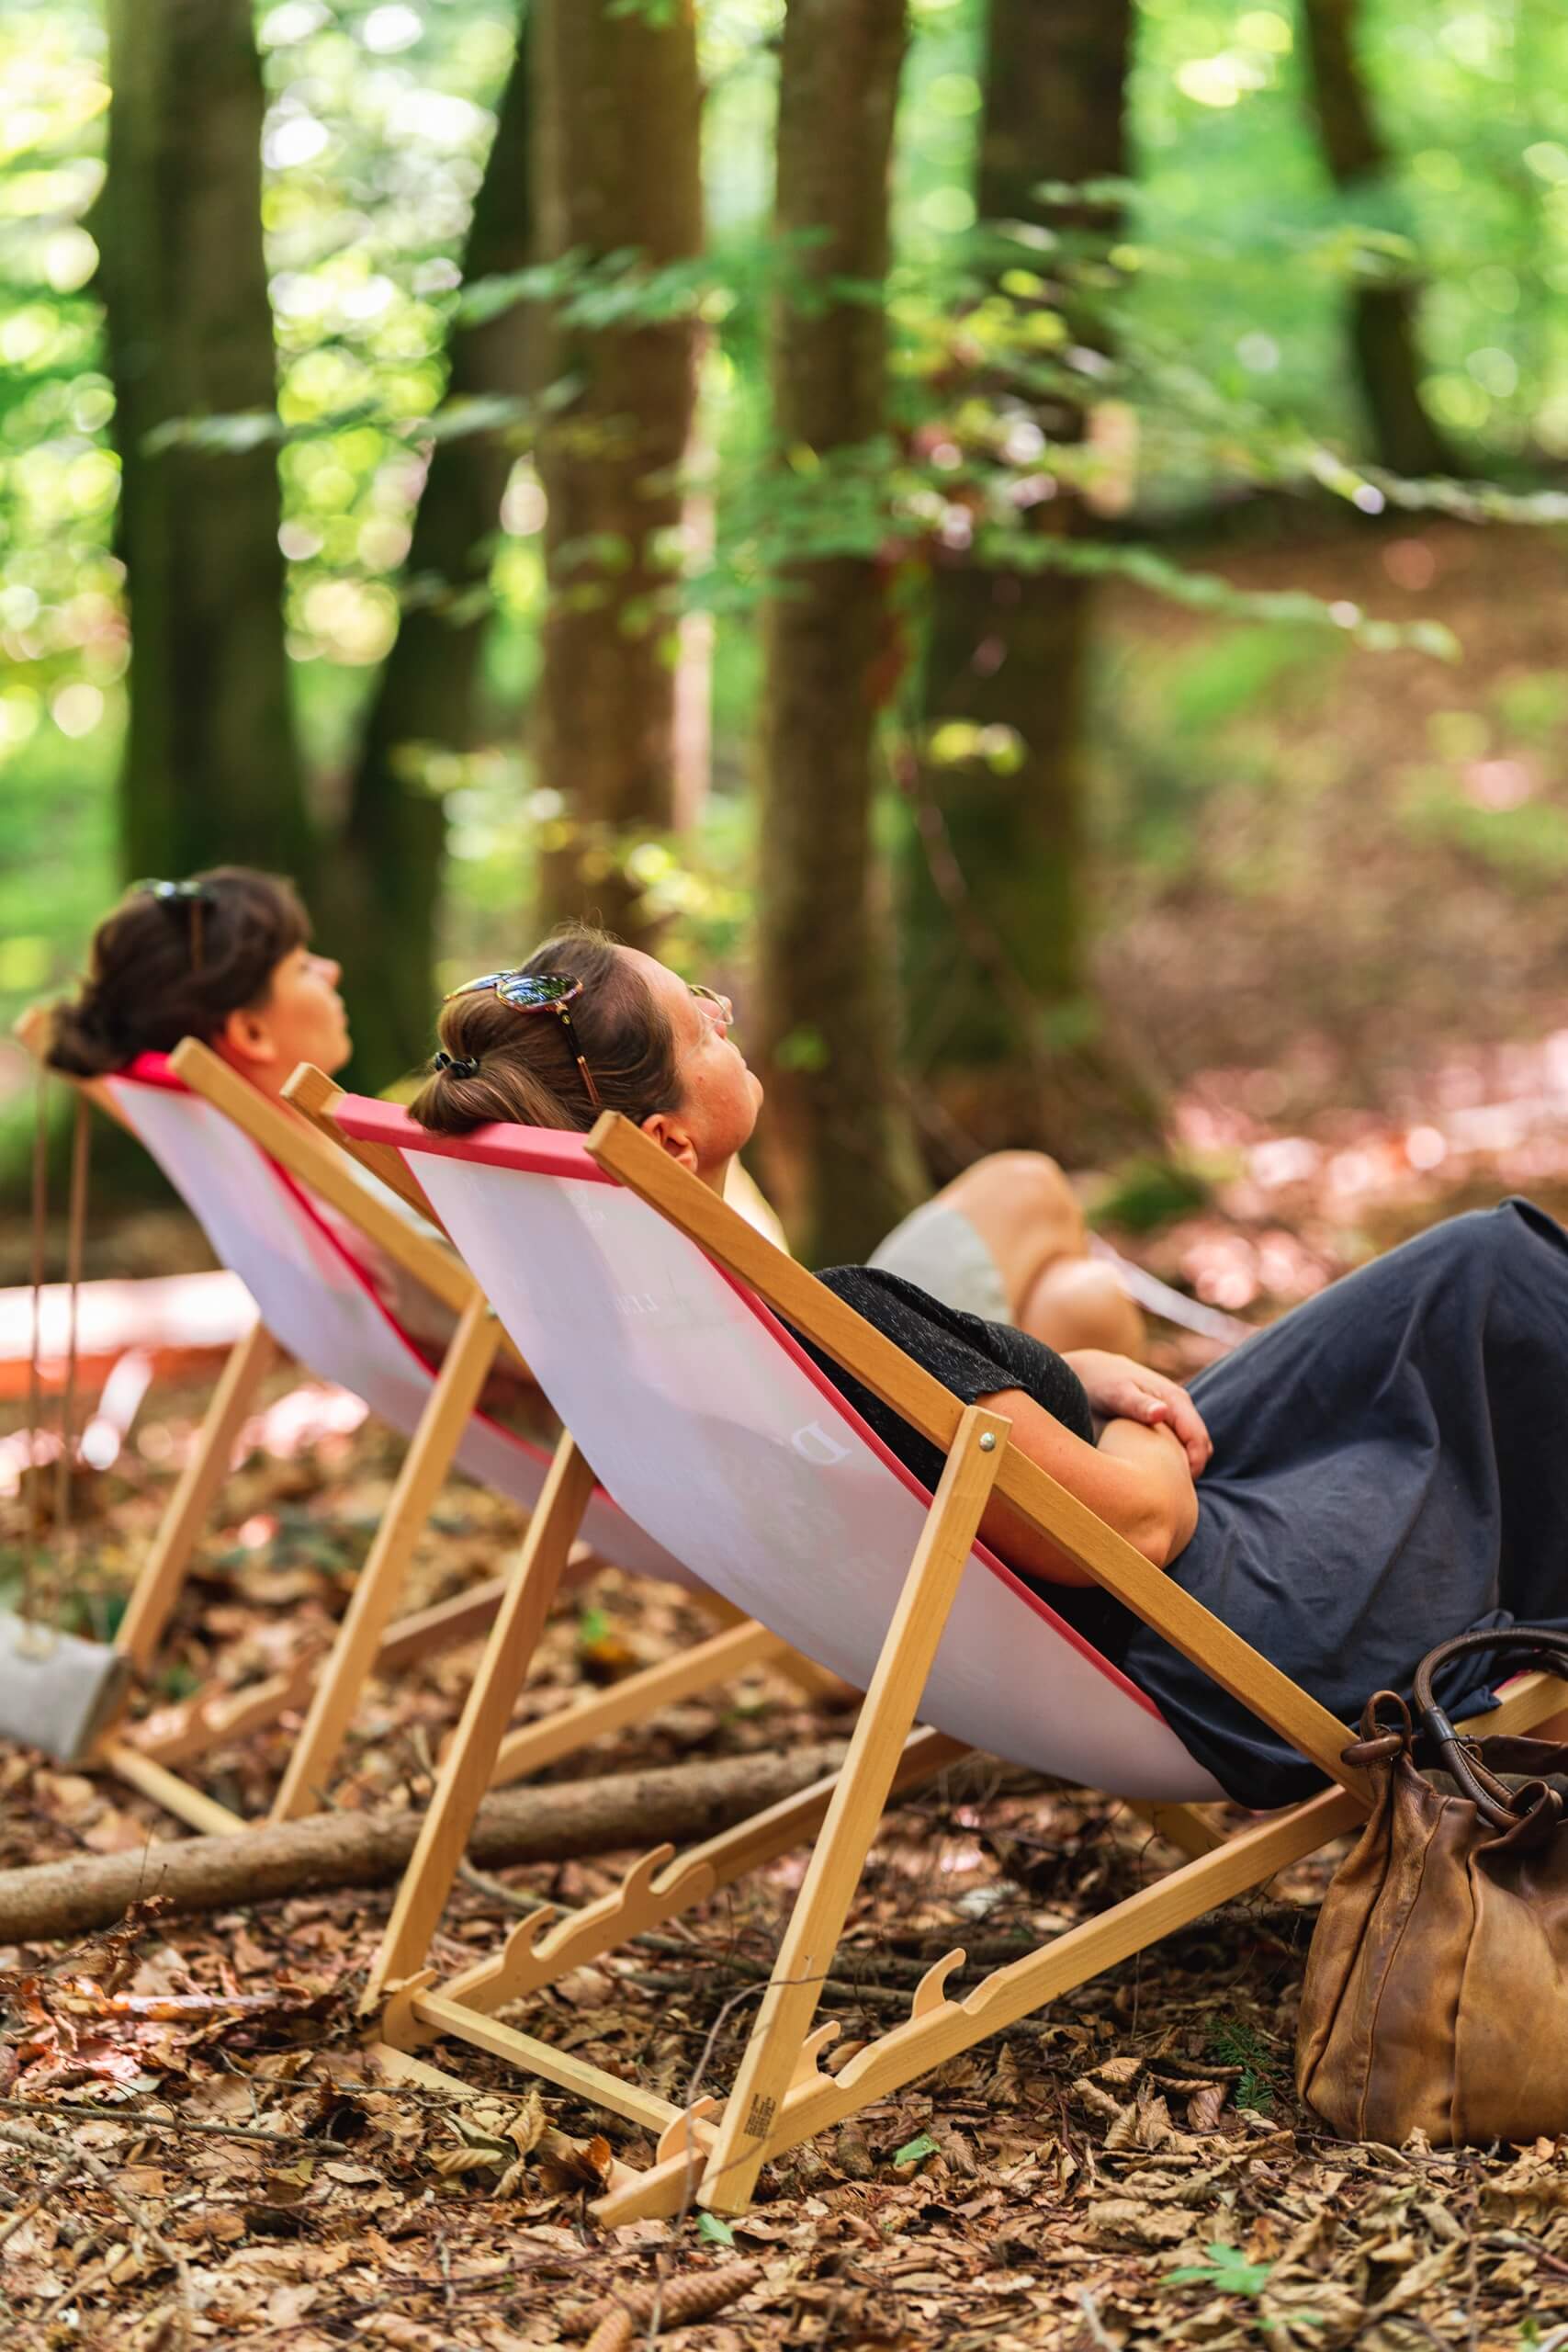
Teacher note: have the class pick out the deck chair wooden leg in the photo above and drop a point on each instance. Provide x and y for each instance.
(661, 1885)
(817, 1922)
(423, 1473)
(151, 1779)
(466, 1773)
(938, 2027)
(212, 1714)
(163, 1570)
(812, 1680)
(1181, 1826)
(634, 1700)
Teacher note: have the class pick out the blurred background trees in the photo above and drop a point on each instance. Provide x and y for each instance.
(942, 514)
(209, 768)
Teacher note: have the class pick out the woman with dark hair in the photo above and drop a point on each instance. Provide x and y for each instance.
(1378, 1470)
(225, 957)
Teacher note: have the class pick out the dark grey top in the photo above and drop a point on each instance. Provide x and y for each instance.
(973, 1359)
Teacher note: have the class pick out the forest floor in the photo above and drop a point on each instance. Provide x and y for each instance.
(1373, 851)
(1131, 2169)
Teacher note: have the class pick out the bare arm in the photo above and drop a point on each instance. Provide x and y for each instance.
(1119, 1389)
(1138, 1479)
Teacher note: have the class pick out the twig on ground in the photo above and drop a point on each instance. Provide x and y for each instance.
(40, 2144)
(76, 2285)
(131, 2120)
(1092, 2320)
(875, 1996)
(512, 1898)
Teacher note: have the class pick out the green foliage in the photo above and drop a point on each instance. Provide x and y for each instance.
(1222, 293)
(1145, 1193)
(1231, 2041)
(1225, 2271)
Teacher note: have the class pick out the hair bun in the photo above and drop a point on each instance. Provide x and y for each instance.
(82, 1039)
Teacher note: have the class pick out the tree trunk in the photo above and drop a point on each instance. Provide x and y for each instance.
(841, 1153)
(997, 994)
(554, 1824)
(382, 890)
(618, 161)
(210, 770)
(1382, 317)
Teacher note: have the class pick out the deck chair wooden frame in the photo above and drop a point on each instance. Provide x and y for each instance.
(711, 2152)
(367, 1640)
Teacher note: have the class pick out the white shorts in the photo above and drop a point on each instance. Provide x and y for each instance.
(938, 1249)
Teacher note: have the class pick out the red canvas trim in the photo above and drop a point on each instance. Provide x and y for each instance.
(540, 1151)
(152, 1069)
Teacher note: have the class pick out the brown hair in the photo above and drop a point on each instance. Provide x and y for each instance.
(162, 969)
(527, 1070)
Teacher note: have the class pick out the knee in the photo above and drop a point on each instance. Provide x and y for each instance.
(1028, 1185)
(1080, 1303)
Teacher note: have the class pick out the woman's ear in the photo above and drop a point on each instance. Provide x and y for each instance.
(671, 1134)
(246, 1040)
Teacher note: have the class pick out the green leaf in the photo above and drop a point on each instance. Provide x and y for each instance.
(916, 2151)
(712, 2230)
(1226, 2271)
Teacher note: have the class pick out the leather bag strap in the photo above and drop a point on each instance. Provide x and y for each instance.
(1495, 1803)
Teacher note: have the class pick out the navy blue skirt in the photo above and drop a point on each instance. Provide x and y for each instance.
(1390, 1468)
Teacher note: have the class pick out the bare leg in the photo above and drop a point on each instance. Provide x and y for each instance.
(1026, 1213)
(1080, 1303)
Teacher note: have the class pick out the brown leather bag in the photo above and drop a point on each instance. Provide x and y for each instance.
(1437, 1985)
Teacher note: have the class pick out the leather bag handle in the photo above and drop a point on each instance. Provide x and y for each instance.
(1504, 1809)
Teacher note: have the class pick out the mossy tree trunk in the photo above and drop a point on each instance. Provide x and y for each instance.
(1382, 322)
(211, 770)
(841, 1153)
(618, 129)
(1000, 1018)
(381, 891)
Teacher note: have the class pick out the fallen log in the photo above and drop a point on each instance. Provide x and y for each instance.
(634, 1810)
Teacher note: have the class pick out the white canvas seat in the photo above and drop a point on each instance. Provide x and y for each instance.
(318, 1301)
(643, 1305)
(705, 1417)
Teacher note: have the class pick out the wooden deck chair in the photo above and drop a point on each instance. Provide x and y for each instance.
(254, 1177)
(648, 1311)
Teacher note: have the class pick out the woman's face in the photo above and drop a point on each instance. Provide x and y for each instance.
(301, 1019)
(719, 1097)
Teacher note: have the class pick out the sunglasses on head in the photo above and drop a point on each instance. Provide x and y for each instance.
(538, 992)
(190, 897)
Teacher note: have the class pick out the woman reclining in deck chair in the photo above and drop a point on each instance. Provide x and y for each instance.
(227, 957)
(1381, 1469)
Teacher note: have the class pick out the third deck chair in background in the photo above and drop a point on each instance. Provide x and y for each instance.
(254, 1176)
(648, 1312)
